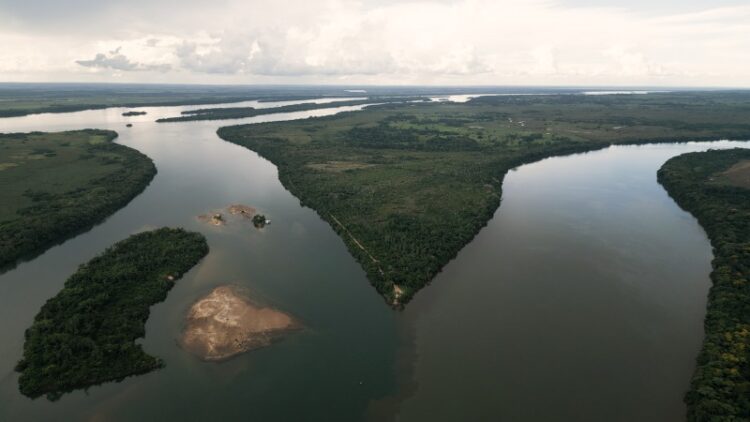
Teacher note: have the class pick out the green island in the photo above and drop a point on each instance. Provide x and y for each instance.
(55, 185)
(243, 112)
(260, 221)
(406, 186)
(714, 186)
(134, 113)
(86, 334)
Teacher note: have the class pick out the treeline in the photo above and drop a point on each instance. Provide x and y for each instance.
(53, 217)
(86, 334)
(244, 112)
(720, 387)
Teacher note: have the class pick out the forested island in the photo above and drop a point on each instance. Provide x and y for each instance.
(406, 186)
(714, 186)
(243, 112)
(55, 185)
(134, 113)
(86, 334)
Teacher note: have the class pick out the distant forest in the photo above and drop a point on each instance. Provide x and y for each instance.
(55, 185)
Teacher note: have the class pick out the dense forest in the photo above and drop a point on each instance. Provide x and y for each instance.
(243, 112)
(703, 184)
(406, 186)
(86, 334)
(55, 185)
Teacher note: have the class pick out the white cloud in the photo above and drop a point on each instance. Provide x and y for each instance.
(463, 41)
(118, 61)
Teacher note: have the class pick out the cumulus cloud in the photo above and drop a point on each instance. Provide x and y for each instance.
(388, 41)
(118, 61)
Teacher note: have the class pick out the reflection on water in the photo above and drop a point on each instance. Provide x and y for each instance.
(298, 265)
(583, 299)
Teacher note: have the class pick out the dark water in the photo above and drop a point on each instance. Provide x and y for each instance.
(582, 299)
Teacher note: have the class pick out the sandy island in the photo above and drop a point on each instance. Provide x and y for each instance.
(239, 211)
(243, 210)
(225, 323)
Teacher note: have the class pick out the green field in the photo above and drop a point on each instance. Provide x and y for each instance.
(86, 334)
(54, 185)
(704, 185)
(407, 186)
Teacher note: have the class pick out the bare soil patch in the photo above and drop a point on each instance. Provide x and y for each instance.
(226, 322)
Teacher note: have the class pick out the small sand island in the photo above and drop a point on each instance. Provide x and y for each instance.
(226, 323)
(243, 210)
(217, 217)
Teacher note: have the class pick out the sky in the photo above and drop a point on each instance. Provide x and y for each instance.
(688, 43)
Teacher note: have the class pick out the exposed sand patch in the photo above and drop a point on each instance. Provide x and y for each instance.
(215, 219)
(236, 211)
(225, 323)
(243, 210)
(397, 293)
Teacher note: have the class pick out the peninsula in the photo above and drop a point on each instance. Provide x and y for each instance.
(406, 186)
(55, 185)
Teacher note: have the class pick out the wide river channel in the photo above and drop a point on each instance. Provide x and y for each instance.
(583, 298)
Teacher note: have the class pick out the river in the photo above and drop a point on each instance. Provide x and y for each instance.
(582, 299)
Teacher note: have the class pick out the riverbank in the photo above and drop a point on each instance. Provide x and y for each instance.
(86, 334)
(697, 181)
(56, 185)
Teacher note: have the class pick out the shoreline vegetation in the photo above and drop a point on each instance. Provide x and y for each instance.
(86, 334)
(406, 186)
(56, 185)
(705, 184)
(244, 112)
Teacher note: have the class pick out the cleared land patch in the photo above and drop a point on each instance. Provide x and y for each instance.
(737, 175)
